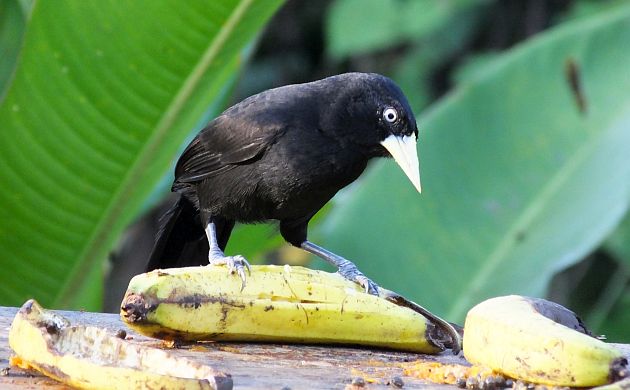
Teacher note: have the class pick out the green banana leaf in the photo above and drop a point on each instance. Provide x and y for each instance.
(357, 27)
(103, 97)
(525, 166)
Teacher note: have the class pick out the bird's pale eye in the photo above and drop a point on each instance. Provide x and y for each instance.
(390, 114)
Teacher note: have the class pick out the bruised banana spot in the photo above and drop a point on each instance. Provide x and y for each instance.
(135, 308)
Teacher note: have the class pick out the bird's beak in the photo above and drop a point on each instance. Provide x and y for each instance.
(404, 151)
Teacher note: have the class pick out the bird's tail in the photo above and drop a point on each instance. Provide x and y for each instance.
(181, 240)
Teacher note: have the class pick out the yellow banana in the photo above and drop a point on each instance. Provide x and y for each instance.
(538, 341)
(287, 304)
(88, 357)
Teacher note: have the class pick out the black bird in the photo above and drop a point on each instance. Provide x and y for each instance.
(281, 155)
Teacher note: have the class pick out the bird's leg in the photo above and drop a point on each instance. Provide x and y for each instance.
(235, 264)
(345, 267)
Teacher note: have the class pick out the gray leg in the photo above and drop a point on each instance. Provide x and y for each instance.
(235, 264)
(346, 268)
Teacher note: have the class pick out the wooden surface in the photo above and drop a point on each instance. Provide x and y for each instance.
(252, 366)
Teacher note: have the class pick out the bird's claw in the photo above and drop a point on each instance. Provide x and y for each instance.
(236, 265)
(367, 283)
(351, 272)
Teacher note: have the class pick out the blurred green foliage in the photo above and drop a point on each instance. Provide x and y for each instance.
(513, 171)
(361, 26)
(524, 163)
(526, 187)
(102, 98)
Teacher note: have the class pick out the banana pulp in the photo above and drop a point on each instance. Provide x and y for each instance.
(512, 336)
(284, 304)
(89, 357)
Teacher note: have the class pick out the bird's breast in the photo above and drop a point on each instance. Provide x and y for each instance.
(294, 185)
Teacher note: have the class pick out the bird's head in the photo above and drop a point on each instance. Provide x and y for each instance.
(377, 116)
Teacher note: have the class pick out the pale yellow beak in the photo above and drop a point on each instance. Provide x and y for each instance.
(404, 151)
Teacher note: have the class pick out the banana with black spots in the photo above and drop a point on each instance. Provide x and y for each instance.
(281, 304)
(539, 341)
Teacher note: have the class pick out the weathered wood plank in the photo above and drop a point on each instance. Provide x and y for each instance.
(252, 366)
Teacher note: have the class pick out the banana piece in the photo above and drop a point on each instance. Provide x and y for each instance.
(90, 358)
(282, 304)
(539, 341)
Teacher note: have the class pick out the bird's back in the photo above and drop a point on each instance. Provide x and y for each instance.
(268, 158)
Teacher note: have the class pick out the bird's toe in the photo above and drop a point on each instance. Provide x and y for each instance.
(349, 271)
(235, 264)
(367, 283)
(243, 263)
(239, 264)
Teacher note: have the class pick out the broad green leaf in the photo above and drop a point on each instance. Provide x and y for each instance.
(415, 68)
(474, 66)
(92, 291)
(618, 243)
(518, 182)
(104, 95)
(12, 21)
(360, 26)
(254, 242)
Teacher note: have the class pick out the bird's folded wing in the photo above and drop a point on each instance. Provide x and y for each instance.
(222, 146)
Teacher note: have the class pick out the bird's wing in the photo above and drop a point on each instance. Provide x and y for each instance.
(221, 146)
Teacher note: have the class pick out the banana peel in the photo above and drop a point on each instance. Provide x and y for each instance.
(90, 358)
(281, 304)
(539, 341)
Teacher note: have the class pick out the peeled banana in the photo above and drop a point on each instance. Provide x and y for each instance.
(89, 357)
(539, 341)
(285, 304)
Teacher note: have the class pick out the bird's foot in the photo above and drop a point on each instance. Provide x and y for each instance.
(350, 271)
(345, 267)
(236, 265)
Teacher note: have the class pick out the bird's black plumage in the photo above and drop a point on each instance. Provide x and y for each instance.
(279, 155)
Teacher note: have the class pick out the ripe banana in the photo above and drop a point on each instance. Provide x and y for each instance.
(285, 304)
(539, 341)
(88, 357)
